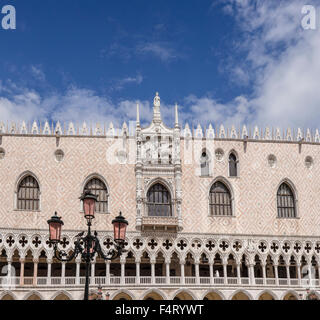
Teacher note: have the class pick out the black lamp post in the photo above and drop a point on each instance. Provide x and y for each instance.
(88, 246)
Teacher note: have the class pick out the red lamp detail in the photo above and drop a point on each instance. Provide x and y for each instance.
(89, 204)
(55, 226)
(120, 228)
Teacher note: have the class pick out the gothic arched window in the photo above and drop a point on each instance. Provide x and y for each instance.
(220, 200)
(286, 202)
(98, 188)
(28, 194)
(159, 201)
(233, 165)
(205, 164)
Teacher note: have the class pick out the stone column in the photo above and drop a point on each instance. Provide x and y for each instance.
(35, 271)
(137, 272)
(238, 273)
(288, 273)
(251, 272)
(196, 264)
(9, 268)
(264, 274)
(153, 281)
(63, 273)
(123, 271)
(276, 274)
(22, 261)
(211, 272)
(9, 275)
(93, 269)
(309, 274)
(299, 273)
(49, 265)
(182, 263)
(78, 265)
(108, 272)
(225, 277)
(167, 272)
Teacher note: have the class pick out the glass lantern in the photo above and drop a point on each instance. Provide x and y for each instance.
(89, 205)
(120, 228)
(55, 226)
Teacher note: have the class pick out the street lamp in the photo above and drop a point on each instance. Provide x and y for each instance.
(88, 246)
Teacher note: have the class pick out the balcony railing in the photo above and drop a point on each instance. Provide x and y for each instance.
(69, 282)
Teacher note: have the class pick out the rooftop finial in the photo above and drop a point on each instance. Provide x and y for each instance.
(176, 116)
(156, 108)
(138, 115)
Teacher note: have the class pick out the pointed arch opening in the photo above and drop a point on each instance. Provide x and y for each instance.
(28, 193)
(233, 164)
(159, 202)
(205, 163)
(241, 295)
(98, 187)
(220, 200)
(286, 201)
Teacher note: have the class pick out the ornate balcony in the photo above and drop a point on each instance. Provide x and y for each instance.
(160, 224)
(71, 282)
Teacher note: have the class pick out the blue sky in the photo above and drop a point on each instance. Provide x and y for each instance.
(223, 61)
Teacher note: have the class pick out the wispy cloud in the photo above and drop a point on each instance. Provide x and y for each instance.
(120, 84)
(281, 63)
(161, 50)
(38, 73)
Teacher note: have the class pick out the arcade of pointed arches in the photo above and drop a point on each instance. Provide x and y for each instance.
(157, 294)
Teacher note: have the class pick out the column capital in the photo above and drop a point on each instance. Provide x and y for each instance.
(36, 260)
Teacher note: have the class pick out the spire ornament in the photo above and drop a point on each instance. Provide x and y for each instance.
(156, 109)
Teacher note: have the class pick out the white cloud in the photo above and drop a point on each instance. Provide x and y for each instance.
(37, 72)
(282, 63)
(161, 50)
(75, 105)
(119, 84)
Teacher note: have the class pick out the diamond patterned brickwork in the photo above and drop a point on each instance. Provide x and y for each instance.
(62, 182)
(254, 190)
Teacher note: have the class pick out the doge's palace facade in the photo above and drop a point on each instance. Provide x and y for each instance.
(213, 213)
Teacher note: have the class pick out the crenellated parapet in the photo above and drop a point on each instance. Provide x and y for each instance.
(65, 129)
(255, 133)
(198, 132)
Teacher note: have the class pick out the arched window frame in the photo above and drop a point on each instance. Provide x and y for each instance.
(16, 191)
(102, 179)
(168, 187)
(237, 164)
(295, 198)
(229, 187)
(209, 163)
